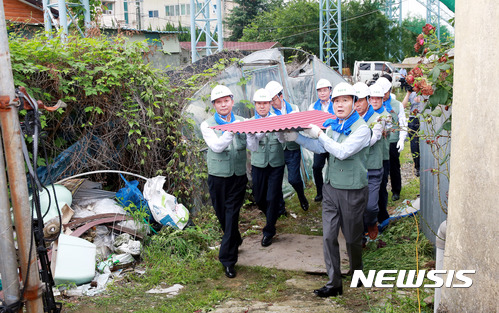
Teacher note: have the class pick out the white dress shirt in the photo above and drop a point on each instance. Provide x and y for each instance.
(215, 143)
(354, 142)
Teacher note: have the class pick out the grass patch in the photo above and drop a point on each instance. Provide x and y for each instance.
(184, 257)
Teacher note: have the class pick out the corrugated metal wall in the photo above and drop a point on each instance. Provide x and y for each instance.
(433, 209)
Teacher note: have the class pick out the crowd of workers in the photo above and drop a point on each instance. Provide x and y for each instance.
(359, 147)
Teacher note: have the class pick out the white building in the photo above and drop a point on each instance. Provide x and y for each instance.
(154, 14)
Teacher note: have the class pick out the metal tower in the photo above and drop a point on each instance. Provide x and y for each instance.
(330, 34)
(393, 11)
(200, 19)
(434, 14)
(62, 6)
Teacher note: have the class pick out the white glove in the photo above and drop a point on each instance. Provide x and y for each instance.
(259, 136)
(229, 135)
(313, 131)
(280, 137)
(400, 144)
(290, 135)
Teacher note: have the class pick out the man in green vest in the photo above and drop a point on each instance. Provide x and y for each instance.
(292, 152)
(324, 104)
(374, 158)
(267, 167)
(345, 190)
(227, 179)
(376, 100)
(397, 136)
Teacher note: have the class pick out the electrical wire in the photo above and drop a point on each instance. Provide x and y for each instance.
(417, 259)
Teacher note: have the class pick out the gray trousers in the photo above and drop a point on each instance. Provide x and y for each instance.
(372, 209)
(342, 208)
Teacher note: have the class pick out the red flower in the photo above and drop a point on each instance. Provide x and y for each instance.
(428, 28)
(443, 59)
(426, 89)
(417, 46)
(425, 51)
(409, 79)
(417, 87)
(416, 72)
(420, 39)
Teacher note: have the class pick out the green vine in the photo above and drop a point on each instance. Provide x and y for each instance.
(435, 81)
(122, 113)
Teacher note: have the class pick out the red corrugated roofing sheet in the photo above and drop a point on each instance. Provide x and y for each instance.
(293, 121)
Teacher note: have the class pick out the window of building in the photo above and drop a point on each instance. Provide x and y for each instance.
(107, 7)
(125, 9)
(182, 9)
(154, 13)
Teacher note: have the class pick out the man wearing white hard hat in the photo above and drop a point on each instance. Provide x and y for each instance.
(345, 191)
(227, 178)
(376, 100)
(397, 136)
(325, 104)
(292, 152)
(374, 159)
(267, 167)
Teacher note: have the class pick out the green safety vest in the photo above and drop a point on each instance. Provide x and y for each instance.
(230, 161)
(290, 145)
(375, 156)
(394, 136)
(270, 152)
(350, 173)
(385, 143)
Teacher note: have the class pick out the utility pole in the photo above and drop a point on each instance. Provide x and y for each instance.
(139, 21)
(11, 131)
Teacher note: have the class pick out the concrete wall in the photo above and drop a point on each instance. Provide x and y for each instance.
(472, 223)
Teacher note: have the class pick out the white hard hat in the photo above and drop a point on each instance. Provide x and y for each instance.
(273, 88)
(323, 83)
(343, 89)
(361, 90)
(376, 90)
(261, 95)
(220, 91)
(384, 83)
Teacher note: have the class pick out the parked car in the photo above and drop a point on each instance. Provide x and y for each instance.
(369, 71)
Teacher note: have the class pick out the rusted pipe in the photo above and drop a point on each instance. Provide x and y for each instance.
(8, 258)
(9, 121)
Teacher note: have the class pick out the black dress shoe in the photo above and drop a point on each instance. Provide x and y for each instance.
(304, 206)
(325, 292)
(395, 197)
(318, 198)
(230, 271)
(283, 213)
(266, 241)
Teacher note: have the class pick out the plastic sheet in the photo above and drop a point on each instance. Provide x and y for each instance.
(254, 72)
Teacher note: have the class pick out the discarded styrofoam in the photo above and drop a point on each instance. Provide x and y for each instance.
(124, 244)
(100, 206)
(171, 291)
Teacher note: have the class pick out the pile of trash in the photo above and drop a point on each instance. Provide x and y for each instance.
(102, 231)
